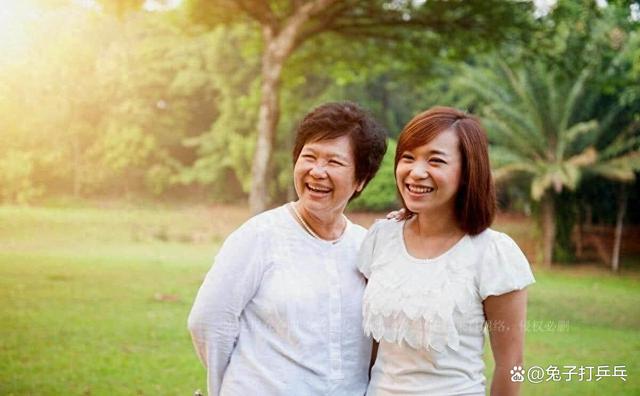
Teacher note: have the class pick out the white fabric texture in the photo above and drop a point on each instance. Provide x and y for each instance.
(280, 312)
(427, 314)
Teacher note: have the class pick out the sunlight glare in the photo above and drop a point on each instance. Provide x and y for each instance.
(15, 16)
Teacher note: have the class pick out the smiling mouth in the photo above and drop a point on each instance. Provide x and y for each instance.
(419, 189)
(318, 189)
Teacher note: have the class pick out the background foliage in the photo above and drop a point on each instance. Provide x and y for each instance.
(114, 100)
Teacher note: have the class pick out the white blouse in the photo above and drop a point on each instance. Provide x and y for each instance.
(428, 314)
(280, 312)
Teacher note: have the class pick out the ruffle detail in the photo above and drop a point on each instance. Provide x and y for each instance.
(414, 302)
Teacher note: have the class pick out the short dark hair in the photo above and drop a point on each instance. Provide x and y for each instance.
(335, 119)
(475, 204)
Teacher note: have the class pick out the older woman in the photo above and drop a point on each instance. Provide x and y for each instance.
(440, 274)
(280, 311)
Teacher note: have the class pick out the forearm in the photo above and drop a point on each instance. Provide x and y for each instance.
(214, 325)
(213, 341)
(506, 315)
(214, 321)
(501, 384)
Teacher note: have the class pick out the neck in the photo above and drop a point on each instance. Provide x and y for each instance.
(327, 225)
(435, 223)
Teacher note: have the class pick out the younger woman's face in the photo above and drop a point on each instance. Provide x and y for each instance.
(428, 176)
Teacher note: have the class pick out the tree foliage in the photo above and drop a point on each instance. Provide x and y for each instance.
(558, 126)
(121, 100)
(381, 192)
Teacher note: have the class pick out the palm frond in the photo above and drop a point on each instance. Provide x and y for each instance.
(576, 91)
(620, 169)
(621, 145)
(501, 156)
(541, 89)
(539, 185)
(518, 84)
(481, 83)
(569, 136)
(572, 174)
(520, 123)
(586, 158)
(506, 172)
(504, 134)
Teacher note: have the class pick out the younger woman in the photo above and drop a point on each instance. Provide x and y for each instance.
(436, 277)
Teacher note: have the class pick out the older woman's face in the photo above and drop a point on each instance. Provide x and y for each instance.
(324, 175)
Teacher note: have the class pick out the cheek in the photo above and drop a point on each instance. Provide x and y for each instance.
(455, 178)
(348, 178)
(401, 173)
(298, 172)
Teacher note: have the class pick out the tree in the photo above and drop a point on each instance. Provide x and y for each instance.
(535, 120)
(158, 91)
(104, 105)
(286, 25)
(581, 60)
(224, 150)
(56, 110)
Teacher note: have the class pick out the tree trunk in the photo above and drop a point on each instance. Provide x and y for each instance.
(267, 123)
(548, 228)
(579, 233)
(279, 43)
(75, 147)
(588, 222)
(622, 205)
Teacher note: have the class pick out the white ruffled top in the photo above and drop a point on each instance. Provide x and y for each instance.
(429, 312)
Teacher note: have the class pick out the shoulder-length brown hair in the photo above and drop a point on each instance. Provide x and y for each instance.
(475, 204)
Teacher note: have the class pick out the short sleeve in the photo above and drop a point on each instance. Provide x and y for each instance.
(503, 268)
(365, 255)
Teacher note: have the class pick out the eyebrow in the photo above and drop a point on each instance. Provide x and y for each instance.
(332, 155)
(438, 152)
(432, 152)
(340, 157)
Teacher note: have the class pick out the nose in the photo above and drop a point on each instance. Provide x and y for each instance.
(419, 171)
(318, 171)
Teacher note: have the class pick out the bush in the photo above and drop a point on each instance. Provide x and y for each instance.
(16, 177)
(380, 194)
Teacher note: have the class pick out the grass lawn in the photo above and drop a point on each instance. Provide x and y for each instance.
(95, 301)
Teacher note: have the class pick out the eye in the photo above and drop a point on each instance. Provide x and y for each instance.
(437, 160)
(407, 156)
(307, 156)
(335, 162)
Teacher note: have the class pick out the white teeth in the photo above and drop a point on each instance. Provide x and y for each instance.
(419, 189)
(318, 188)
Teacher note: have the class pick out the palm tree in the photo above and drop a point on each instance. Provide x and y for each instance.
(541, 127)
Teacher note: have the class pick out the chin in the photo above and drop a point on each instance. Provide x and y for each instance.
(416, 208)
(412, 208)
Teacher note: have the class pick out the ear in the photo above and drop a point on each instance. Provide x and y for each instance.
(360, 186)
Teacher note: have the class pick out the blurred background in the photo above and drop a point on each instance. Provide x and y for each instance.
(136, 135)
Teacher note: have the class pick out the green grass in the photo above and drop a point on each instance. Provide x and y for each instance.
(583, 319)
(95, 301)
